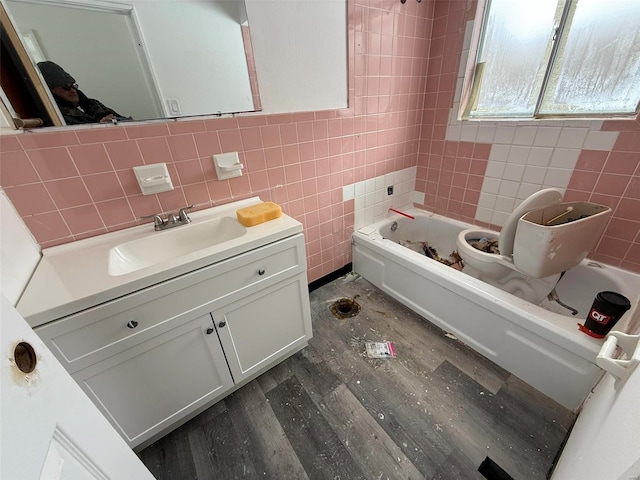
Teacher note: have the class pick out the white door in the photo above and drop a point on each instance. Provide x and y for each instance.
(50, 429)
(605, 441)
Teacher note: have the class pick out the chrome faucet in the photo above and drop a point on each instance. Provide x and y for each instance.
(172, 220)
(182, 214)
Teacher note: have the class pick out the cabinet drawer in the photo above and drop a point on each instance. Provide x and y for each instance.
(97, 333)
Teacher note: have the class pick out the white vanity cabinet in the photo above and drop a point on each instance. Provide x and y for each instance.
(262, 326)
(154, 358)
(147, 388)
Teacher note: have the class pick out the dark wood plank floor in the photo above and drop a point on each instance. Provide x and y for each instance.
(330, 412)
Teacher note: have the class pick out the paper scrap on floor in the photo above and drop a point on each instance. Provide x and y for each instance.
(381, 350)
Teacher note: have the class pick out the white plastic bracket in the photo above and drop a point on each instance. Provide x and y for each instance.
(620, 368)
(227, 165)
(153, 178)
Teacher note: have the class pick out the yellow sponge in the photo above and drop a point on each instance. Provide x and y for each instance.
(256, 214)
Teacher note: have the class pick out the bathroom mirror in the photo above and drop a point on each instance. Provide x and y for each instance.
(146, 59)
(299, 49)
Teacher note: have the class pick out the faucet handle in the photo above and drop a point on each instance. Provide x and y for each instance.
(182, 214)
(157, 220)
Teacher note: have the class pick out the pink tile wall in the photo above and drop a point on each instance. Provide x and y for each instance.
(74, 184)
(613, 178)
(451, 173)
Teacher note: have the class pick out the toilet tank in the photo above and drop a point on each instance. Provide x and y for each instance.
(556, 238)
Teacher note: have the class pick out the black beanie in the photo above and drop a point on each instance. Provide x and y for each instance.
(54, 74)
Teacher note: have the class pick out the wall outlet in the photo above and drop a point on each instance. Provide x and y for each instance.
(390, 190)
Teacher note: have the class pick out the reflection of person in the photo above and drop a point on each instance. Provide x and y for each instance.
(75, 106)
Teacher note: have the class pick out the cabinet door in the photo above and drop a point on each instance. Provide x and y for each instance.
(264, 327)
(153, 385)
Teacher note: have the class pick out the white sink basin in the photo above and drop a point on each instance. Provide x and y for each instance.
(176, 242)
(82, 274)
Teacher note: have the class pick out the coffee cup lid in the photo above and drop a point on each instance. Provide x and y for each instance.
(615, 299)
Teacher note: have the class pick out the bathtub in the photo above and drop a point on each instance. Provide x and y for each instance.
(540, 344)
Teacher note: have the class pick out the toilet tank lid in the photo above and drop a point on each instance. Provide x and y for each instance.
(540, 199)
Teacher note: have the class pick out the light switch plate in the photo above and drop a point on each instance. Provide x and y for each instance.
(174, 106)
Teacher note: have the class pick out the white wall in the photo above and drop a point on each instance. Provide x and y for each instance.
(19, 252)
(197, 53)
(300, 50)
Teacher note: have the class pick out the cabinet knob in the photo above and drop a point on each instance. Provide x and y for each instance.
(261, 271)
(222, 324)
(209, 331)
(132, 324)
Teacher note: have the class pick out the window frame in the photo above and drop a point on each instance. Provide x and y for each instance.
(473, 75)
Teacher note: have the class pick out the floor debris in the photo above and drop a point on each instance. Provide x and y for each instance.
(381, 350)
(451, 336)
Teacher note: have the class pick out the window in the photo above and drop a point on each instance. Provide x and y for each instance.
(557, 58)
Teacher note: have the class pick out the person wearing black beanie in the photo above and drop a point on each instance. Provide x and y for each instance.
(75, 106)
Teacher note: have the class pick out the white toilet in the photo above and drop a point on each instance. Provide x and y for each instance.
(541, 239)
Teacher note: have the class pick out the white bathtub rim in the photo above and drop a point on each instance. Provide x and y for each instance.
(372, 232)
(526, 315)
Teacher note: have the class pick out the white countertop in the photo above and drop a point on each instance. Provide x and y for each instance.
(74, 276)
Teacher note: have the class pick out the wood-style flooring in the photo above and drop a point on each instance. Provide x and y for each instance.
(330, 412)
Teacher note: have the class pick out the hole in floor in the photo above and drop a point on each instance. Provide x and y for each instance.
(345, 308)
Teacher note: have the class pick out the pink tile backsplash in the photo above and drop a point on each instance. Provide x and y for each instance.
(31, 199)
(190, 172)
(9, 144)
(33, 140)
(155, 150)
(115, 212)
(124, 155)
(53, 163)
(66, 193)
(49, 228)
(403, 64)
(91, 158)
(182, 147)
(83, 219)
(16, 169)
(104, 186)
(146, 131)
(100, 135)
(251, 139)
